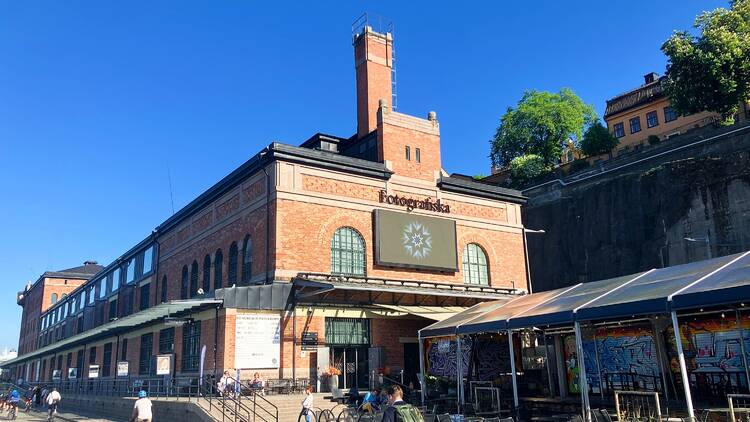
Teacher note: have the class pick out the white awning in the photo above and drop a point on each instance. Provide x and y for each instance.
(435, 313)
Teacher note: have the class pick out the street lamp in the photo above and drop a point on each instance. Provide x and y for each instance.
(526, 254)
(706, 240)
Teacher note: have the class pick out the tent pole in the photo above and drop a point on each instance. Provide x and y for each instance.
(584, 385)
(683, 366)
(422, 381)
(551, 386)
(742, 345)
(459, 372)
(513, 371)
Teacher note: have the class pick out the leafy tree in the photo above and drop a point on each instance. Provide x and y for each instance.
(540, 125)
(527, 167)
(597, 140)
(711, 71)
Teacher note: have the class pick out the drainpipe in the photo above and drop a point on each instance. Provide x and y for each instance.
(268, 213)
(216, 337)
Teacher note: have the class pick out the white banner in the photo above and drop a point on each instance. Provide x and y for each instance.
(257, 341)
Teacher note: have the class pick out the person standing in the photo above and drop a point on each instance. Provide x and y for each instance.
(398, 410)
(142, 409)
(307, 404)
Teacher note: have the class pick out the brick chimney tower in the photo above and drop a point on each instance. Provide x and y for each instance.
(373, 60)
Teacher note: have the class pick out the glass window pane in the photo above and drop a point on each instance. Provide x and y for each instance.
(115, 279)
(148, 260)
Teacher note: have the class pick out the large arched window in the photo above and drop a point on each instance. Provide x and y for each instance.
(194, 279)
(247, 259)
(218, 268)
(475, 265)
(232, 271)
(347, 252)
(184, 285)
(206, 274)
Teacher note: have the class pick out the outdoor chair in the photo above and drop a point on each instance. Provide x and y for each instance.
(600, 415)
(444, 418)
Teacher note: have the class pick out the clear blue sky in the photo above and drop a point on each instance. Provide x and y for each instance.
(99, 99)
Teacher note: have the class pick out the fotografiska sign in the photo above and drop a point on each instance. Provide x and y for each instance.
(411, 203)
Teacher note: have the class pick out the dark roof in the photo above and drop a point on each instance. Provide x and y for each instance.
(635, 97)
(471, 187)
(87, 268)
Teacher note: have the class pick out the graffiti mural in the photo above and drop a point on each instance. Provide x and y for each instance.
(487, 357)
(441, 356)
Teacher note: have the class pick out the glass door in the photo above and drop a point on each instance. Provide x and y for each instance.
(353, 365)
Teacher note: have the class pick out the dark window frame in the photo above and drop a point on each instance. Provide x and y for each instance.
(232, 270)
(619, 130)
(107, 360)
(144, 300)
(145, 351)
(206, 274)
(191, 347)
(218, 267)
(635, 123)
(652, 119)
(184, 282)
(194, 279)
(163, 289)
(247, 259)
(669, 114)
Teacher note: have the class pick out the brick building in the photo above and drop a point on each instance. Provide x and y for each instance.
(332, 253)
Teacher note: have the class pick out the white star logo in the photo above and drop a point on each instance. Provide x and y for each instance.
(417, 240)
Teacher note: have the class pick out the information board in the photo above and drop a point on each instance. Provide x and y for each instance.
(257, 341)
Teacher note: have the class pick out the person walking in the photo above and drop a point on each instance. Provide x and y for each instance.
(307, 404)
(53, 399)
(142, 409)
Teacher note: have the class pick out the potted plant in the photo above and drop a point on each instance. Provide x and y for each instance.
(332, 373)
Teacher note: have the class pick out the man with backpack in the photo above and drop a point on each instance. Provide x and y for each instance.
(398, 410)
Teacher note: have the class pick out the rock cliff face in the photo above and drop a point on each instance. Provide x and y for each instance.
(637, 217)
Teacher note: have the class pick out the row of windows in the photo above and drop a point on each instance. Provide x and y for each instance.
(191, 280)
(135, 268)
(652, 120)
(348, 257)
(417, 154)
(190, 353)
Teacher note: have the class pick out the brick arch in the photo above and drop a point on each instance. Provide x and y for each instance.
(486, 245)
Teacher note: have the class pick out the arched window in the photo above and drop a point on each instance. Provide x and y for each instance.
(194, 279)
(206, 274)
(53, 298)
(232, 272)
(218, 264)
(347, 252)
(64, 295)
(475, 265)
(164, 289)
(247, 259)
(184, 285)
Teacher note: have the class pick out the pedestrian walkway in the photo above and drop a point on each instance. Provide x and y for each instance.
(38, 416)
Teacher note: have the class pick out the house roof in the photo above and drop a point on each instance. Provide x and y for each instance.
(635, 97)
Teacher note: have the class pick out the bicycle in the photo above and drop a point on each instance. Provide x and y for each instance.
(302, 418)
(13, 412)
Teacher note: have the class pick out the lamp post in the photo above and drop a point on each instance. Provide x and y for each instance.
(706, 240)
(526, 253)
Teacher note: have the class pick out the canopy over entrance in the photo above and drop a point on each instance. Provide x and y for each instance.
(708, 283)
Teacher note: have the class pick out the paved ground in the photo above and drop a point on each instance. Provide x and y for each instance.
(37, 416)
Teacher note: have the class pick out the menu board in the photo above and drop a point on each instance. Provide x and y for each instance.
(257, 341)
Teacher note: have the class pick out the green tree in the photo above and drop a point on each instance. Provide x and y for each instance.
(527, 167)
(540, 124)
(711, 71)
(597, 140)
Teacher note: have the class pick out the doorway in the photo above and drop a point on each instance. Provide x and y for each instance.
(411, 364)
(352, 361)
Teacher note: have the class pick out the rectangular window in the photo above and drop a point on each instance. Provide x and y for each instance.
(68, 361)
(92, 356)
(166, 340)
(144, 360)
(102, 284)
(635, 125)
(115, 279)
(107, 360)
(408, 153)
(79, 325)
(112, 310)
(148, 260)
(79, 363)
(108, 283)
(92, 294)
(124, 349)
(652, 119)
(669, 114)
(130, 272)
(418, 155)
(619, 130)
(347, 331)
(191, 346)
(127, 306)
(145, 296)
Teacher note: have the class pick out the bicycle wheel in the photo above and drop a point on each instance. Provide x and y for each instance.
(326, 415)
(302, 418)
(348, 414)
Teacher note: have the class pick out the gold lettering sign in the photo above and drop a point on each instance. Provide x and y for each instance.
(411, 203)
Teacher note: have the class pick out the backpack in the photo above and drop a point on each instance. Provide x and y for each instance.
(408, 413)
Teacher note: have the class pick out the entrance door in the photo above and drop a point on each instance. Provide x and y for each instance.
(353, 364)
(411, 364)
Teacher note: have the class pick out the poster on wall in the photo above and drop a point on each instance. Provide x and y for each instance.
(415, 241)
(56, 373)
(72, 373)
(163, 364)
(93, 371)
(257, 341)
(122, 368)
